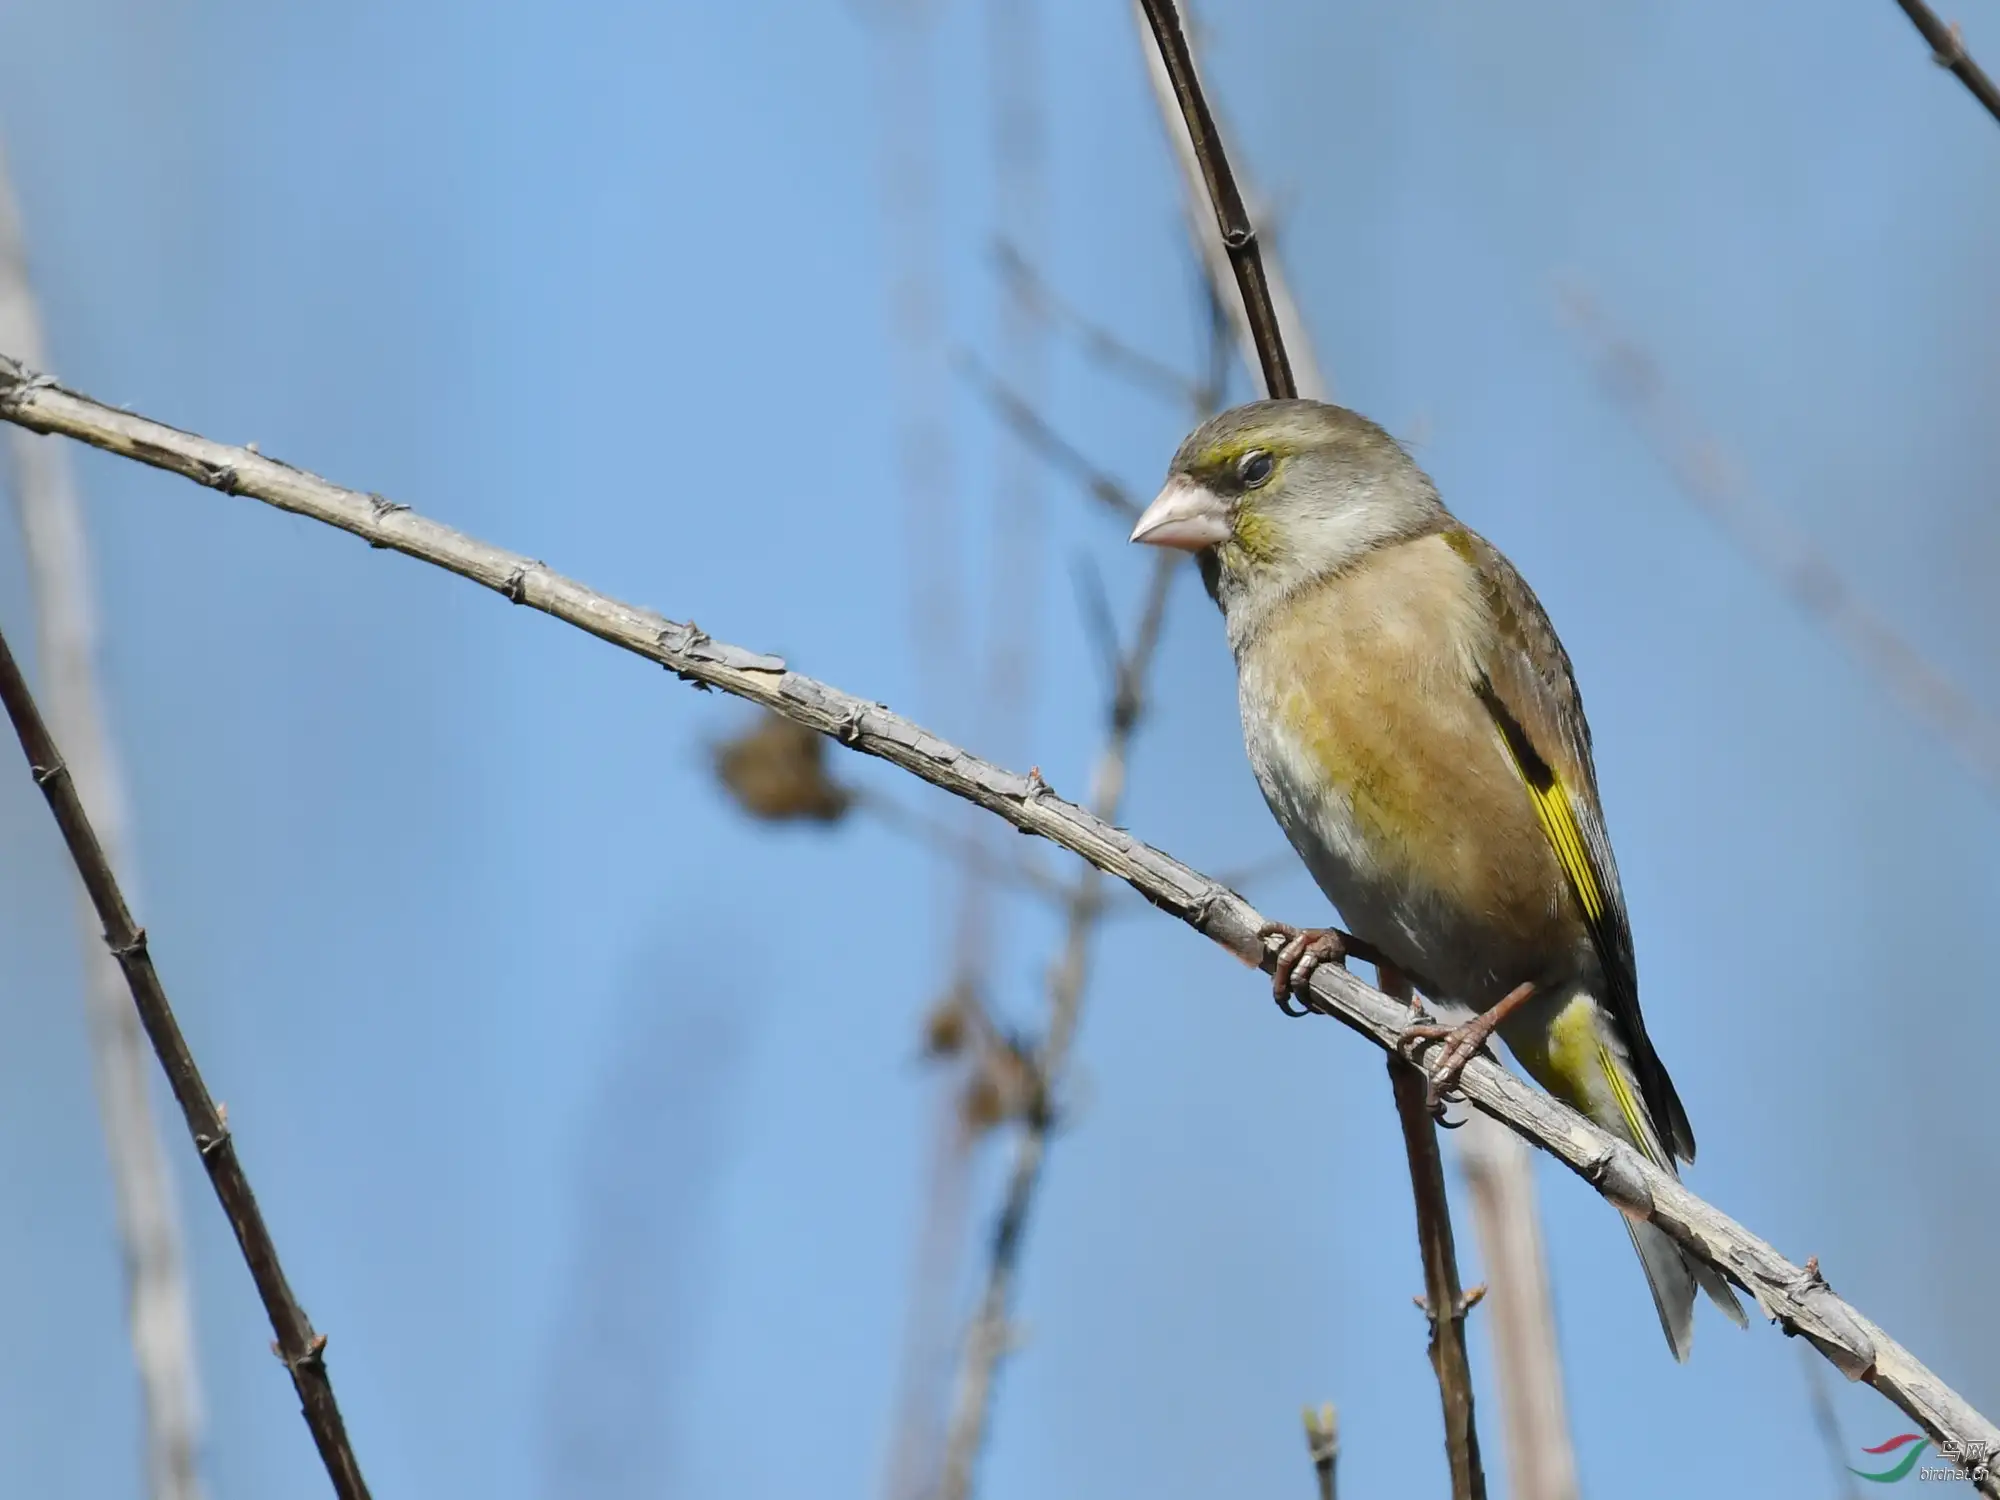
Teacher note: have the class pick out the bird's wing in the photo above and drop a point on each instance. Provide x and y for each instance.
(1529, 688)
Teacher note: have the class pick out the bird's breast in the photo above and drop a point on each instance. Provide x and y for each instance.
(1387, 774)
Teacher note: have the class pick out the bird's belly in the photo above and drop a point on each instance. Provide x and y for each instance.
(1422, 837)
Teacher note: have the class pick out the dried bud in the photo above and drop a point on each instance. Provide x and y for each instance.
(776, 771)
(948, 1024)
(1004, 1084)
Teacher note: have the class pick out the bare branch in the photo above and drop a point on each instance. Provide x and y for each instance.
(1797, 1297)
(1270, 328)
(302, 1350)
(1443, 1302)
(157, 1299)
(1948, 51)
(1783, 551)
(1541, 1460)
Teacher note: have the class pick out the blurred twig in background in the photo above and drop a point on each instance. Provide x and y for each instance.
(1098, 343)
(157, 1303)
(904, 44)
(1948, 51)
(1323, 1444)
(302, 1350)
(1031, 427)
(1541, 1461)
(1796, 1297)
(987, 1338)
(647, 1166)
(1782, 550)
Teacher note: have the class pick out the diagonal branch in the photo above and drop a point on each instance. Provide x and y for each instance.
(1948, 51)
(1232, 218)
(302, 1350)
(1797, 1298)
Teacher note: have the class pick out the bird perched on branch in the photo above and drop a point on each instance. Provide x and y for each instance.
(1415, 726)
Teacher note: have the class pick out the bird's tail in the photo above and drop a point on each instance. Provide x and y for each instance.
(1577, 1057)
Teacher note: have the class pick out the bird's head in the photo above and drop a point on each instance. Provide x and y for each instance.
(1275, 495)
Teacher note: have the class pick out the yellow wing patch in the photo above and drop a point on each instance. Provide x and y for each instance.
(1553, 809)
(1558, 819)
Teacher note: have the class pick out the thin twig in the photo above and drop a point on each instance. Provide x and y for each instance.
(1948, 51)
(1022, 871)
(1032, 428)
(1224, 228)
(1099, 343)
(302, 1350)
(157, 1298)
(1784, 552)
(1796, 1297)
(1444, 1303)
(904, 95)
(1323, 1443)
(1499, 1172)
(987, 1339)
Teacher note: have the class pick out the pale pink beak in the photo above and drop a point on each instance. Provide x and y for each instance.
(1183, 515)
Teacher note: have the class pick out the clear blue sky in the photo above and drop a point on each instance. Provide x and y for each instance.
(586, 1113)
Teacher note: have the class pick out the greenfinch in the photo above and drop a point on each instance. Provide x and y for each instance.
(1415, 726)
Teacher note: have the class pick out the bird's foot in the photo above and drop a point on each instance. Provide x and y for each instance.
(1305, 949)
(1461, 1043)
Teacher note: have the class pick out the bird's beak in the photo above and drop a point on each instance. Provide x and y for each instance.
(1184, 515)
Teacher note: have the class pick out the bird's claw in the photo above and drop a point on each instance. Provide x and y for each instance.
(1306, 948)
(1461, 1044)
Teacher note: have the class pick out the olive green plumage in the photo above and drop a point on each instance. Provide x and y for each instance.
(1415, 725)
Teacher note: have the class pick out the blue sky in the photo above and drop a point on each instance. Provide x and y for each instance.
(585, 1112)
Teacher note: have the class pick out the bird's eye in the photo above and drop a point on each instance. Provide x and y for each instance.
(1254, 467)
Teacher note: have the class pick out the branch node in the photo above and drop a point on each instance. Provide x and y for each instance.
(313, 1358)
(1617, 1175)
(133, 949)
(382, 508)
(1952, 53)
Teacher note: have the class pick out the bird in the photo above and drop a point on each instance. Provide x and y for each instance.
(1414, 723)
